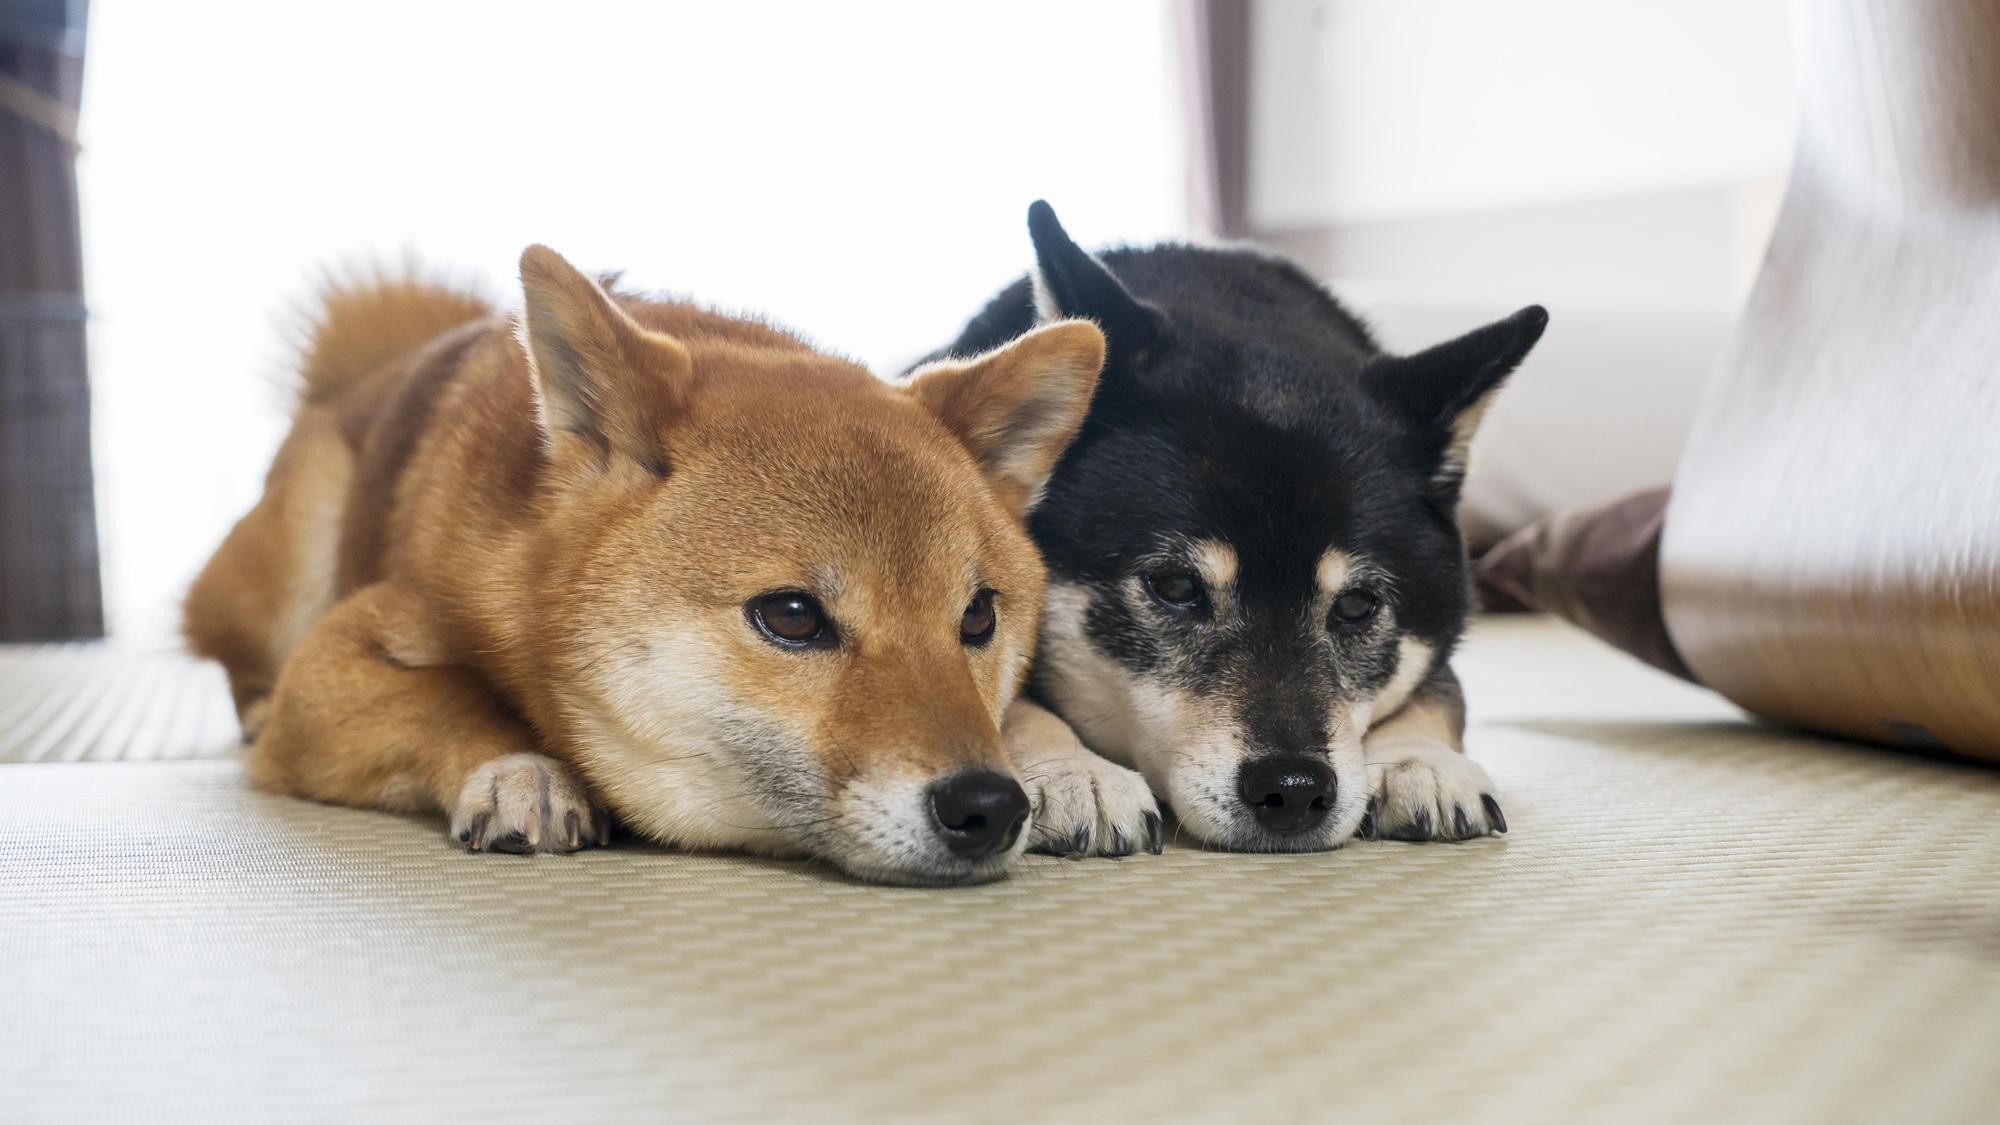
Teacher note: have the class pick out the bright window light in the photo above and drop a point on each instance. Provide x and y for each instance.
(859, 172)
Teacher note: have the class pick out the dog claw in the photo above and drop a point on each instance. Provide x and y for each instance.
(1155, 834)
(1084, 805)
(526, 803)
(1497, 822)
(1424, 791)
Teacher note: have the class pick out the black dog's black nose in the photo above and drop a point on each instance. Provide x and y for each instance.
(979, 814)
(1287, 793)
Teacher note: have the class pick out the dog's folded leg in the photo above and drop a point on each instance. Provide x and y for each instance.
(1082, 804)
(367, 712)
(1421, 784)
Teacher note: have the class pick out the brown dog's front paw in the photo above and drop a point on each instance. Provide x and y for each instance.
(525, 803)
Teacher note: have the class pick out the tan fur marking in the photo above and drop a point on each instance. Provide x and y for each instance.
(1421, 720)
(1216, 561)
(1464, 427)
(1335, 567)
(1413, 663)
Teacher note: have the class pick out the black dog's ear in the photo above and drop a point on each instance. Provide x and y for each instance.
(1070, 283)
(1449, 386)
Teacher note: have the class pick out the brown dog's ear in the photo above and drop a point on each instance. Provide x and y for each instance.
(598, 374)
(1017, 407)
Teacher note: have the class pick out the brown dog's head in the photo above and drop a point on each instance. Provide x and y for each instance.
(789, 602)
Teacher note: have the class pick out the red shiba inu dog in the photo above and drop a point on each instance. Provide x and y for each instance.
(633, 558)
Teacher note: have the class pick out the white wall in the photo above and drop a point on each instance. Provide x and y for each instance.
(1365, 110)
(859, 171)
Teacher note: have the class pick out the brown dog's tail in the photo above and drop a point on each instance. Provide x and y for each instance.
(360, 325)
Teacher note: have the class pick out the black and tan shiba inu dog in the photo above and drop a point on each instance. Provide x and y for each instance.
(1256, 577)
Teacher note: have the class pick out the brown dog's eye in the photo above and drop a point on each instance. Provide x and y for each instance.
(790, 618)
(976, 627)
(1178, 589)
(1356, 607)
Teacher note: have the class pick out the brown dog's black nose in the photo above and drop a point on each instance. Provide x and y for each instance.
(1287, 793)
(979, 814)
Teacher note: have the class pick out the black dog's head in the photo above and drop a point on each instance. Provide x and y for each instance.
(1252, 545)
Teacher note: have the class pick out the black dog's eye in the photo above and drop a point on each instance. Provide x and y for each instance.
(1178, 589)
(1356, 607)
(976, 627)
(791, 618)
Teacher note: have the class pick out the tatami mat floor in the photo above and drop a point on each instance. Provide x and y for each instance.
(1692, 919)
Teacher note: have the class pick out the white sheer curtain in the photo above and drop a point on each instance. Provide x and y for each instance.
(858, 171)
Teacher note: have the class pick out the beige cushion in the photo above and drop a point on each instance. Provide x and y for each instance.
(1692, 919)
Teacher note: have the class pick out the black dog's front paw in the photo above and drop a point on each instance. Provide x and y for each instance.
(1428, 791)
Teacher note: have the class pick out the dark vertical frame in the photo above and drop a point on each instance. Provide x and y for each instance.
(1215, 77)
(49, 582)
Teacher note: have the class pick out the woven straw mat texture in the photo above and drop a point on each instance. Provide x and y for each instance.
(1692, 919)
(98, 703)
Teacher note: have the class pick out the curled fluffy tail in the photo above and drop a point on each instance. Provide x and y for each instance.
(361, 325)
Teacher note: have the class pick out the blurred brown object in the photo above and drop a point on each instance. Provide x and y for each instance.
(1832, 550)
(49, 586)
(1598, 568)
